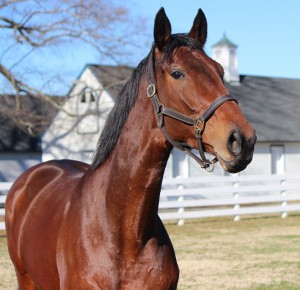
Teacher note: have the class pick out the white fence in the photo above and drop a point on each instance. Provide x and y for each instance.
(4, 188)
(215, 196)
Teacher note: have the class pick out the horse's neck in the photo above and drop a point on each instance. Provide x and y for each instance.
(133, 173)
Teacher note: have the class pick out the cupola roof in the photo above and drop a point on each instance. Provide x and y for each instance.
(225, 42)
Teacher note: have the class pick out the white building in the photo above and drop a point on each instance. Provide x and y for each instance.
(75, 130)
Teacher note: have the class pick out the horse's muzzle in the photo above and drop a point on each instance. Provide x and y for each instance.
(241, 151)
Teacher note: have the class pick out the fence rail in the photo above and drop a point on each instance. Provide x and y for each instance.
(215, 196)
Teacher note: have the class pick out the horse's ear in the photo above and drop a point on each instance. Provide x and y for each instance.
(162, 29)
(199, 29)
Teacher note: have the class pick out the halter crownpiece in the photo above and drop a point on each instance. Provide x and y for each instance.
(199, 125)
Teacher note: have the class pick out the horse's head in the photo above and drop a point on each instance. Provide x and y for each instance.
(189, 82)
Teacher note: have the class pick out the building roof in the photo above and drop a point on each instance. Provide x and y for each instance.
(112, 78)
(225, 42)
(13, 139)
(271, 105)
(34, 113)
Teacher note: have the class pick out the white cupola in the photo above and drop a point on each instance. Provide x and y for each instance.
(225, 53)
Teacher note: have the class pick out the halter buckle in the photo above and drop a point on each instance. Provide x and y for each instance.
(199, 126)
(151, 90)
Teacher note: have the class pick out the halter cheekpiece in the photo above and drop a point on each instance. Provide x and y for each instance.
(199, 125)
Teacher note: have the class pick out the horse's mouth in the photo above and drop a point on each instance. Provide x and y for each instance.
(234, 165)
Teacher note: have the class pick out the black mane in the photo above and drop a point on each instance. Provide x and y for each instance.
(118, 115)
(126, 99)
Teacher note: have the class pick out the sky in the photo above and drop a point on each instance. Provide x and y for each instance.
(267, 32)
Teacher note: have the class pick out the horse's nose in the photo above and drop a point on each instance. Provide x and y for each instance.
(235, 143)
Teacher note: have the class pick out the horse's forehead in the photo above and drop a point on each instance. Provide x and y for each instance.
(198, 64)
(186, 55)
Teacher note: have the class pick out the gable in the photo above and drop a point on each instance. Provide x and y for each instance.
(102, 77)
(75, 130)
(112, 78)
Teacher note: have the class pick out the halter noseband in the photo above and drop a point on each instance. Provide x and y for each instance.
(199, 125)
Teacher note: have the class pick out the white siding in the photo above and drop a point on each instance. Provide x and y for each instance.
(277, 159)
(292, 157)
(261, 162)
(169, 168)
(74, 136)
(87, 111)
(227, 57)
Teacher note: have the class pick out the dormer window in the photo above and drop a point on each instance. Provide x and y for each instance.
(92, 98)
(88, 95)
(87, 111)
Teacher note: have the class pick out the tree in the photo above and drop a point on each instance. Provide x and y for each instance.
(32, 28)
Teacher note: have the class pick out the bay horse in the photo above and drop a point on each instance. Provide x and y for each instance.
(74, 226)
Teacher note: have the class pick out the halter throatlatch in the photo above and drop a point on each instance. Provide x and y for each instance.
(199, 125)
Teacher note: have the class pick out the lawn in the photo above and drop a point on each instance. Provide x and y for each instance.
(253, 254)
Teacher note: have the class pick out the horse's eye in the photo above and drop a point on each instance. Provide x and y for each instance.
(176, 74)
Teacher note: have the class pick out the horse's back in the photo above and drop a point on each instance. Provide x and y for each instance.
(35, 207)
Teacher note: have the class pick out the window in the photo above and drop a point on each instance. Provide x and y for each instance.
(87, 111)
(88, 95)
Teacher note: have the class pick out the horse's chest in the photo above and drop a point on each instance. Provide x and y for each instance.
(153, 267)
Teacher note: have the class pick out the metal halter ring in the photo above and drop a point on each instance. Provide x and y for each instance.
(151, 90)
(211, 166)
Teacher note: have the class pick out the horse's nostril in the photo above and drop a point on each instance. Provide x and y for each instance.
(235, 143)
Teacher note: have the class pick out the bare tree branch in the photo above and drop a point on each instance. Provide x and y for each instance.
(31, 26)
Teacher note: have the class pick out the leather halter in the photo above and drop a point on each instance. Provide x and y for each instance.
(199, 125)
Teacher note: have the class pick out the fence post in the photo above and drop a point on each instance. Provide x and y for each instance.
(180, 209)
(180, 169)
(283, 193)
(236, 204)
(4, 188)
